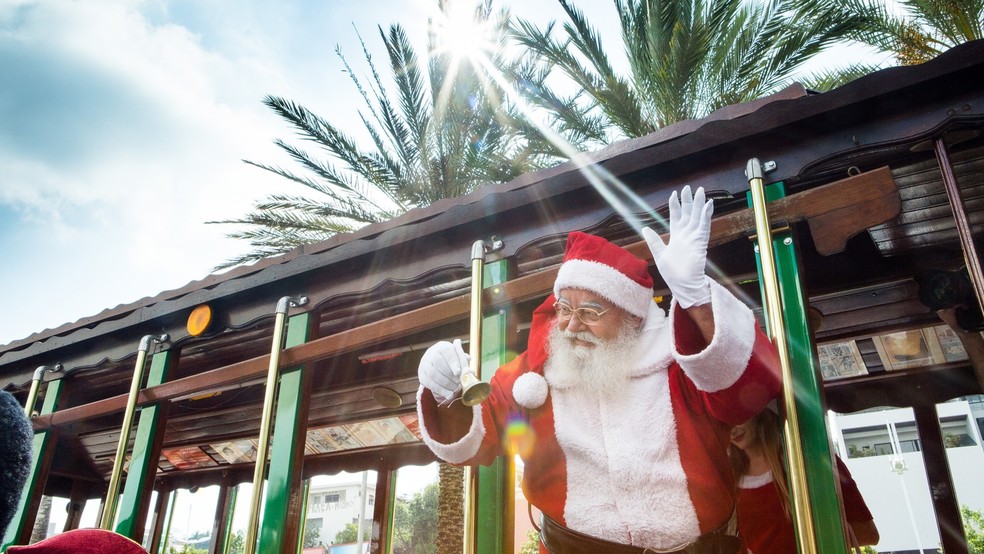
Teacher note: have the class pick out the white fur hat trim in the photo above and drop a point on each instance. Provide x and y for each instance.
(607, 282)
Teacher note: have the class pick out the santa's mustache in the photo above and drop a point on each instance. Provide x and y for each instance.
(585, 336)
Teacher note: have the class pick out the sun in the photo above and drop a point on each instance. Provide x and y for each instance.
(463, 29)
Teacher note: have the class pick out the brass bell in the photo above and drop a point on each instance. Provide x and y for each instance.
(473, 389)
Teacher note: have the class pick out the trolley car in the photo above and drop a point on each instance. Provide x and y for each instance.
(874, 195)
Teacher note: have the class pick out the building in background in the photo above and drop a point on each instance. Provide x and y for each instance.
(883, 451)
(333, 505)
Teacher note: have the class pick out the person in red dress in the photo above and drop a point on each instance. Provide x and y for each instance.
(764, 519)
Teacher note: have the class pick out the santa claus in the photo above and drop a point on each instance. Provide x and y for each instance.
(624, 412)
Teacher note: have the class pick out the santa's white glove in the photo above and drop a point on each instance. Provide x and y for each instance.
(440, 369)
(681, 262)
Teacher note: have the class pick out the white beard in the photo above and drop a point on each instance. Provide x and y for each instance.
(603, 369)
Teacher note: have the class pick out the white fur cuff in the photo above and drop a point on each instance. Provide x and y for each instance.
(723, 362)
(461, 450)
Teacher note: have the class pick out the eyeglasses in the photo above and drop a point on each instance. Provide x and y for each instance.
(587, 316)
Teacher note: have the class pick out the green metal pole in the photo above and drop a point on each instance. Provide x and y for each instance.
(143, 461)
(20, 526)
(496, 502)
(286, 454)
(805, 386)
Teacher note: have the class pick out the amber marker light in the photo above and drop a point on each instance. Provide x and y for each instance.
(199, 319)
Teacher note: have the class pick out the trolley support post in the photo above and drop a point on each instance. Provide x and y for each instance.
(263, 446)
(21, 525)
(473, 392)
(814, 491)
(282, 513)
(109, 506)
(496, 482)
(146, 453)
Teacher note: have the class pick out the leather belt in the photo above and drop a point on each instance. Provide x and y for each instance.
(561, 540)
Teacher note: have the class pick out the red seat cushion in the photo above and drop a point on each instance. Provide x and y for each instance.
(82, 541)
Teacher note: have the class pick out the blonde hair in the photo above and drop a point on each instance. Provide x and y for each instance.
(768, 434)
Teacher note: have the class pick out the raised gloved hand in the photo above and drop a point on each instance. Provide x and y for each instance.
(440, 370)
(681, 261)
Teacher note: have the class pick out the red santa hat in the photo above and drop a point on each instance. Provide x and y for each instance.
(594, 264)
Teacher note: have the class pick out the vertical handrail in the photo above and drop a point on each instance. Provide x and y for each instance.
(473, 392)
(262, 448)
(32, 396)
(777, 330)
(495, 512)
(473, 389)
(109, 507)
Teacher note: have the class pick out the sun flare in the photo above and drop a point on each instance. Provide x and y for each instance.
(462, 31)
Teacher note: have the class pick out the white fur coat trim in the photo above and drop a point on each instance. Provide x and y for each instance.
(625, 478)
(755, 481)
(465, 447)
(723, 361)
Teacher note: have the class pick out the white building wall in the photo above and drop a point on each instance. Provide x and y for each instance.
(900, 502)
(335, 515)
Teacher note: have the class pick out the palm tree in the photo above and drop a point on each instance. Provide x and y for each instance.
(445, 131)
(914, 31)
(686, 58)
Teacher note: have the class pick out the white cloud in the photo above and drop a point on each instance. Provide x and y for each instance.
(122, 138)
(125, 123)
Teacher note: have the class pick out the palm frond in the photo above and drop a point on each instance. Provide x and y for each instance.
(412, 157)
(829, 79)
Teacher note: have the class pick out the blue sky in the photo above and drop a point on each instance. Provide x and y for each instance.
(124, 123)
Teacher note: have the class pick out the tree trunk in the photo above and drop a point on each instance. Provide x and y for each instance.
(40, 530)
(450, 505)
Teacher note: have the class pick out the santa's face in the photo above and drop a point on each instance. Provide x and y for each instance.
(596, 357)
(590, 327)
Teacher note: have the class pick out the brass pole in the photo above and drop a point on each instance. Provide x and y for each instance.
(32, 396)
(109, 507)
(474, 391)
(773, 305)
(269, 398)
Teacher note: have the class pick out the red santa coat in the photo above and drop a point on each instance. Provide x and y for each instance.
(649, 468)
